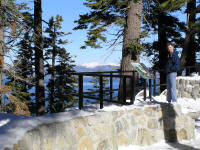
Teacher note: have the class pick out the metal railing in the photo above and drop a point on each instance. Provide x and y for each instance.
(152, 85)
(101, 90)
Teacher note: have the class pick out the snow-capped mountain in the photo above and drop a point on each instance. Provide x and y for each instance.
(94, 67)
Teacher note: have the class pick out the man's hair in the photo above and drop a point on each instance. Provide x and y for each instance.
(169, 43)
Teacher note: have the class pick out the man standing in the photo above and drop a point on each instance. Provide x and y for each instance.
(171, 68)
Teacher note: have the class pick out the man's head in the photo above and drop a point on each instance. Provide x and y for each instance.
(170, 47)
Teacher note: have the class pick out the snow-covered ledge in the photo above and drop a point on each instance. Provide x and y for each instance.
(110, 128)
(188, 87)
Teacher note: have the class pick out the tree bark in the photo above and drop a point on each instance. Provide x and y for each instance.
(132, 30)
(52, 110)
(2, 22)
(188, 55)
(162, 48)
(39, 60)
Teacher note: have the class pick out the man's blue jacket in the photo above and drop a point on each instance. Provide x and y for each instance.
(173, 63)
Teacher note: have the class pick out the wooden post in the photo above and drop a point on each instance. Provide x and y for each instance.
(80, 91)
(101, 92)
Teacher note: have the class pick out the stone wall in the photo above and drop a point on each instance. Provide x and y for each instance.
(188, 87)
(109, 130)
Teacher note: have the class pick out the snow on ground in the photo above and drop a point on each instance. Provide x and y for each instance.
(13, 128)
(194, 77)
(187, 104)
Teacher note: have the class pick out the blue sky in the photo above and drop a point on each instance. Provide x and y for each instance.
(70, 11)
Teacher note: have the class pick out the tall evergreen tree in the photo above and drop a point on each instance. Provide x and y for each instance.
(125, 15)
(188, 57)
(39, 59)
(168, 28)
(191, 45)
(25, 60)
(60, 85)
(12, 28)
(95, 85)
(64, 82)
(2, 22)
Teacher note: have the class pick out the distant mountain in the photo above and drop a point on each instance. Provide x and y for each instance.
(94, 67)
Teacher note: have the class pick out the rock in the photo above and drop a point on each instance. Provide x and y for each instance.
(150, 111)
(152, 124)
(85, 144)
(118, 126)
(142, 121)
(123, 139)
(143, 137)
(194, 115)
(103, 145)
(182, 135)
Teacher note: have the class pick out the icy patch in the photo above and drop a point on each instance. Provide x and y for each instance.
(194, 74)
(3, 122)
(189, 105)
(195, 77)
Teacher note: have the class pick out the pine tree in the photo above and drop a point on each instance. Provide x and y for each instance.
(12, 27)
(168, 28)
(39, 59)
(95, 85)
(191, 44)
(64, 82)
(188, 57)
(17, 93)
(125, 15)
(25, 61)
(2, 26)
(61, 83)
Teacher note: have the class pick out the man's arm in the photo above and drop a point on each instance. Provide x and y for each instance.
(176, 62)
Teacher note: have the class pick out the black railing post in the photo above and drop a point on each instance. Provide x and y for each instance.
(111, 86)
(189, 71)
(154, 84)
(150, 89)
(124, 90)
(101, 91)
(145, 90)
(133, 88)
(80, 91)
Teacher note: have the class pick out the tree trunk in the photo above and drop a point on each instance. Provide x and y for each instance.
(162, 48)
(52, 110)
(2, 21)
(39, 60)
(132, 30)
(188, 56)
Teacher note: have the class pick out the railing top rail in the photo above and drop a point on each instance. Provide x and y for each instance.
(196, 66)
(102, 72)
(103, 75)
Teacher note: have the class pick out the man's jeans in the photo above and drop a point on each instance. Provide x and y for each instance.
(171, 87)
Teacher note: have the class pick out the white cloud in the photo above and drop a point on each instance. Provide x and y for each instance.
(96, 64)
